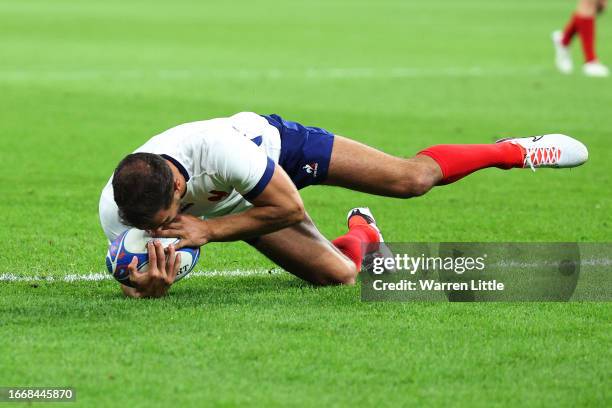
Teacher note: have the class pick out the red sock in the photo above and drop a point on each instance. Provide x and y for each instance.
(570, 31)
(359, 236)
(586, 29)
(457, 161)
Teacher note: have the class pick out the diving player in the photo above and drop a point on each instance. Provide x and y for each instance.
(237, 178)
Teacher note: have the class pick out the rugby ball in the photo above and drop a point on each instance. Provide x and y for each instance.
(133, 242)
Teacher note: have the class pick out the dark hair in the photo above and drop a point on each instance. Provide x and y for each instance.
(143, 184)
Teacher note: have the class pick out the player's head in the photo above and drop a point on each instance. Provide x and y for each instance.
(146, 191)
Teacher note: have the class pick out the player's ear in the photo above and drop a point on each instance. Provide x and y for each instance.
(176, 190)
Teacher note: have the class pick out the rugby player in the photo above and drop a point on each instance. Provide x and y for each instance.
(237, 178)
(583, 24)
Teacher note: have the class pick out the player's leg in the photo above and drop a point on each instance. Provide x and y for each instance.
(362, 168)
(588, 10)
(583, 24)
(303, 251)
(359, 167)
(312, 155)
(561, 41)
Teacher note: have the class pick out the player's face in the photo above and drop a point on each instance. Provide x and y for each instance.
(165, 217)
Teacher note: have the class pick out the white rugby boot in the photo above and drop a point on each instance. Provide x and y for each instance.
(383, 250)
(557, 151)
(595, 69)
(563, 57)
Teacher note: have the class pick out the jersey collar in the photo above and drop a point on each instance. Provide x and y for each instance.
(178, 165)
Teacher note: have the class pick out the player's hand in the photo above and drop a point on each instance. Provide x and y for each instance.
(161, 274)
(192, 231)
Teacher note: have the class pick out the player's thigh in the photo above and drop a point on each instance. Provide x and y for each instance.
(363, 168)
(303, 251)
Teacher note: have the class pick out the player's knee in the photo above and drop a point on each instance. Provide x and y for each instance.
(344, 276)
(348, 278)
(413, 178)
(414, 184)
(421, 184)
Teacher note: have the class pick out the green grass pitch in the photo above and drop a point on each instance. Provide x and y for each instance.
(83, 83)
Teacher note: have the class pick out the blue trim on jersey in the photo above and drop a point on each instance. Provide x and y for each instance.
(263, 181)
(178, 165)
(257, 140)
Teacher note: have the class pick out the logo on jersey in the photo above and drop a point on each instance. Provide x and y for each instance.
(311, 168)
(217, 195)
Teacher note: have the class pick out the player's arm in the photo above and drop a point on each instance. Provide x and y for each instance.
(238, 163)
(278, 206)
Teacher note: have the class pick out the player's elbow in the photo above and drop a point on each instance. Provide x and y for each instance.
(291, 211)
(295, 213)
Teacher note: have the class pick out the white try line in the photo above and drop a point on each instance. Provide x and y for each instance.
(272, 73)
(100, 276)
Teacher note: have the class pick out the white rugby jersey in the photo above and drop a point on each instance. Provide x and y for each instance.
(223, 160)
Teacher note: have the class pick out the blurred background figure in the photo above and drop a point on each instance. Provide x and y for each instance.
(583, 24)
